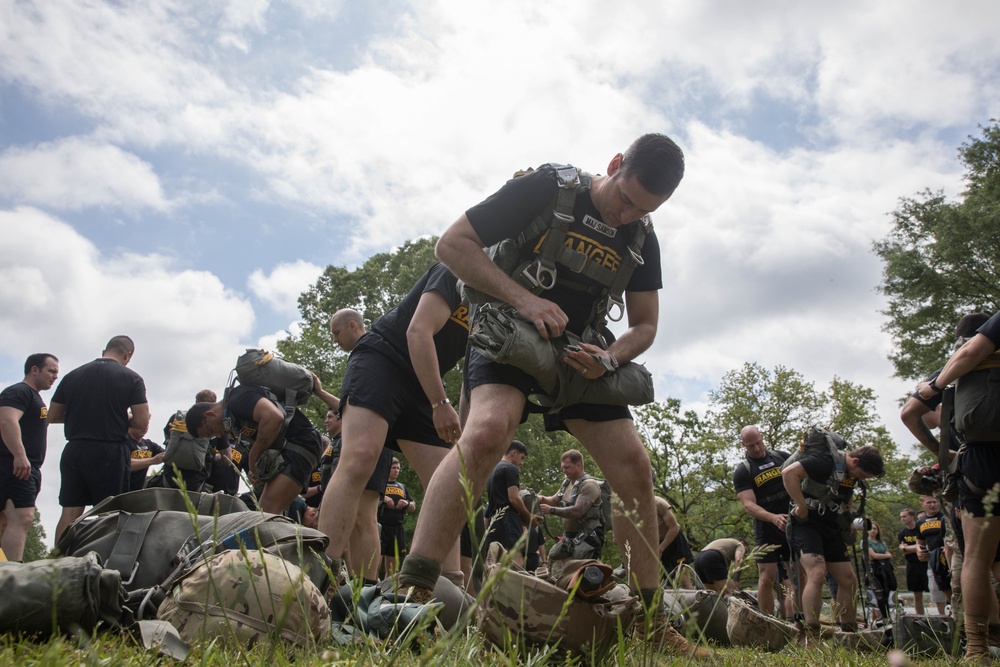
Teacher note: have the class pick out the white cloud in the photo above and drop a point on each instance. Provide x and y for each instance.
(65, 296)
(281, 288)
(77, 173)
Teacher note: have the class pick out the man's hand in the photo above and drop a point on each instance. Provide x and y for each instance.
(586, 360)
(545, 509)
(22, 467)
(922, 553)
(779, 520)
(446, 423)
(800, 511)
(157, 459)
(548, 318)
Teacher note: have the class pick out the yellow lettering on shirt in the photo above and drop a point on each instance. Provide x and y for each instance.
(142, 454)
(329, 451)
(766, 476)
(317, 476)
(604, 255)
(460, 316)
(237, 456)
(395, 491)
(44, 414)
(930, 524)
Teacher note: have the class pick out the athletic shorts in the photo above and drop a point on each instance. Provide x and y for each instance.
(937, 590)
(482, 370)
(93, 470)
(505, 529)
(297, 467)
(465, 542)
(710, 566)
(980, 465)
(916, 577)
(378, 378)
(20, 492)
(782, 554)
(819, 537)
(393, 539)
(676, 554)
(380, 476)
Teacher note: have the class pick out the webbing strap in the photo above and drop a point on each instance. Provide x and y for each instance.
(124, 555)
(947, 405)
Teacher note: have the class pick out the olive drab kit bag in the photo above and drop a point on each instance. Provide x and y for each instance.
(155, 537)
(500, 335)
(183, 449)
(568, 612)
(698, 614)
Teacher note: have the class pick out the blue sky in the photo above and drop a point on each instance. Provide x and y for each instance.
(181, 171)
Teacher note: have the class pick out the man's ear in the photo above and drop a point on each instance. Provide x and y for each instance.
(615, 164)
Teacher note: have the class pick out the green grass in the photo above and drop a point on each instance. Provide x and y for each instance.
(468, 650)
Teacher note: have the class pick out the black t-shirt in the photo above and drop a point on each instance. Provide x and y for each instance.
(450, 341)
(504, 476)
(992, 329)
(33, 422)
(242, 401)
(97, 397)
(141, 449)
(820, 467)
(241, 455)
(908, 536)
(931, 529)
(394, 517)
(329, 460)
(763, 477)
(506, 213)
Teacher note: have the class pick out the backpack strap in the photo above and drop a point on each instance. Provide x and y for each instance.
(124, 556)
(944, 444)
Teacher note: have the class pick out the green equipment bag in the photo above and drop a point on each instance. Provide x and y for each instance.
(920, 635)
(150, 537)
(183, 449)
(246, 596)
(521, 611)
(63, 595)
(698, 614)
(977, 405)
(500, 335)
(290, 382)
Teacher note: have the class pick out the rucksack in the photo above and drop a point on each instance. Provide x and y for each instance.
(246, 596)
(818, 440)
(977, 404)
(183, 449)
(291, 383)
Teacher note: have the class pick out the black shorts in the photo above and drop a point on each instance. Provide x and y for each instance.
(93, 470)
(916, 577)
(393, 539)
(20, 492)
(710, 566)
(980, 465)
(782, 554)
(297, 467)
(380, 476)
(482, 370)
(676, 554)
(378, 378)
(819, 537)
(505, 529)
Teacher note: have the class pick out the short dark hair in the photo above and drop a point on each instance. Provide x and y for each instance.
(205, 396)
(907, 510)
(516, 446)
(969, 324)
(656, 161)
(870, 460)
(573, 455)
(122, 344)
(195, 417)
(37, 360)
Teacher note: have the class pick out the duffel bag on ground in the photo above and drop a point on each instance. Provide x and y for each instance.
(698, 614)
(747, 626)
(925, 635)
(246, 596)
(521, 610)
(60, 594)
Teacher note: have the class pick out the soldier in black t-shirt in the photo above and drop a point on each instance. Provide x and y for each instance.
(396, 504)
(98, 402)
(23, 440)
(816, 531)
(143, 454)
(932, 529)
(916, 571)
(506, 514)
(254, 413)
(393, 396)
(761, 490)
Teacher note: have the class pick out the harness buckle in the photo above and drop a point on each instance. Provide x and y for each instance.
(614, 302)
(539, 275)
(639, 261)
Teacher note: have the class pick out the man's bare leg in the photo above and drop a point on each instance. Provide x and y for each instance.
(814, 566)
(767, 573)
(845, 610)
(19, 520)
(425, 459)
(68, 516)
(364, 543)
(362, 438)
(279, 492)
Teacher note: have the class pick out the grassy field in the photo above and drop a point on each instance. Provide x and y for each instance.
(465, 649)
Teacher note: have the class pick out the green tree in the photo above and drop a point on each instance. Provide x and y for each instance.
(942, 260)
(34, 546)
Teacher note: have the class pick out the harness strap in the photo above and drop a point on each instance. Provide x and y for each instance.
(124, 555)
(947, 405)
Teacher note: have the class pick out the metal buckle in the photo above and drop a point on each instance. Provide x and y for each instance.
(543, 278)
(614, 302)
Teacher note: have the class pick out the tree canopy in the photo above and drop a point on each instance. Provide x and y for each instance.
(941, 260)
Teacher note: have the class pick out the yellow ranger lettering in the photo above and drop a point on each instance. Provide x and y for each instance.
(766, 476)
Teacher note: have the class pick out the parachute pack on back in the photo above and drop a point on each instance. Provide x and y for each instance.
(818, 440)
(290, 382)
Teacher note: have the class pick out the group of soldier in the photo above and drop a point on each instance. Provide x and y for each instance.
(584, 250)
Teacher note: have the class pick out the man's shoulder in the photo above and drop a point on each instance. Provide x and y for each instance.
(18, 391)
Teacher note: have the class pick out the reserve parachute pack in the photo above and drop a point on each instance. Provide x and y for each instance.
(287, 385)
(977, 402)
(818, 440)
(183, 449)
(501, 336)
